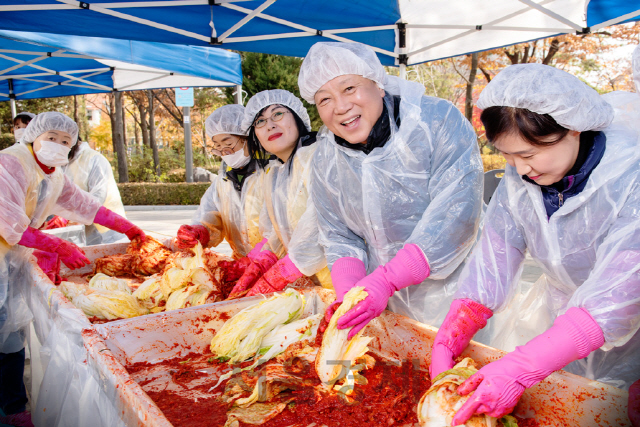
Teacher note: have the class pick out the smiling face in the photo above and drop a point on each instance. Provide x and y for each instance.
(278, 137)
(225, 144)
(349, 106)
(56, 136)
(546, 164)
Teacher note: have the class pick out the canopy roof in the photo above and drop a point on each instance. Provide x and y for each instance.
(39, 65)
(401, 31)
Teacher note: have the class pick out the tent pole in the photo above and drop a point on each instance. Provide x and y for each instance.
(14, 112)
(188, 149)
(237, 95)
(12, 100)
(403, 72)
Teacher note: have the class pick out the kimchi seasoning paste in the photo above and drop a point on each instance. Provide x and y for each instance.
(389, 398)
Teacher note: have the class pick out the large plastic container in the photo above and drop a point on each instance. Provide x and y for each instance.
(563, 399)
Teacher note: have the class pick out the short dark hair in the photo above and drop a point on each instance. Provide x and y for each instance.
(257, 151)
(24, 118)
(536, 129)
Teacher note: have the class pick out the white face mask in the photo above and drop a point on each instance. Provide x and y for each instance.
(18, 134)
(236, 160)
(53, 154)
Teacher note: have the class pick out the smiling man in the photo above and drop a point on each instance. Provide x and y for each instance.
(397, 184)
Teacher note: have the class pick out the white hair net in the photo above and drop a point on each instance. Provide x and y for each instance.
(269, 97)
(25, 114)
(547, 90)
(45, 122)
(225, 120)
(326, 61)
(636, 68)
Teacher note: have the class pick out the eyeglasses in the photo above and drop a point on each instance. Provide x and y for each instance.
(275, 117)
(225, 151)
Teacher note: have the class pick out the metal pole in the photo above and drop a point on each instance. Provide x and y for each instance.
(403, 71)
(188, 149)
(237, 95)
(12, 100)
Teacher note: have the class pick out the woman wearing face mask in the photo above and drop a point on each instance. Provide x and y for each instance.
(32, 187)
(279, 124)
(230, 209)
(570, 197)
(20, 123)
(92, 172)
(397, 183)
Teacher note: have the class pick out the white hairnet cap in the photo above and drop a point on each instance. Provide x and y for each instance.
(547, 90)
(636, 68)
(225, 120)
(25, 114)
(269, 97)
(326, 61)
(45, 122)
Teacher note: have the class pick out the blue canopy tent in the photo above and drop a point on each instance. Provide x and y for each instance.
(402, 32)
(38, 65)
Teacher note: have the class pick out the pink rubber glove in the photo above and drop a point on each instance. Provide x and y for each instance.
(499, 385)
(257, 249)
(464, 319)
(49, 263)
(634, 404)
(189, 235)
(254, 271)
(55, 222)
(345, 273)
(277, 278)
(71, 255)
(408, 267)
(118, 223)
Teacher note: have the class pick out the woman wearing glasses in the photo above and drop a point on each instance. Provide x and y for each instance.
(279, 124)
(230, 208)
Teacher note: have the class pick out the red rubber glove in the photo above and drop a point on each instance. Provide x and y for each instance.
(464, 319)
(257, 249)
(49, 263)
(189, 235)
(118, 223)
(345, 273)
(55, 222)
(258, 267)
(71, 255)
(634, 404)
(499, 385)
(408, 267)
(233, 270)
(277, 278)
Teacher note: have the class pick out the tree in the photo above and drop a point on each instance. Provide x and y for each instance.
(261, 71)
(119, 137)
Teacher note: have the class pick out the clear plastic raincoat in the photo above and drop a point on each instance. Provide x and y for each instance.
(27, 197)
(233, 215)
(289, 219)
(424, 186)
(92, 172)
(589, 251)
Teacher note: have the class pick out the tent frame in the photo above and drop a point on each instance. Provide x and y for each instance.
(403, 30)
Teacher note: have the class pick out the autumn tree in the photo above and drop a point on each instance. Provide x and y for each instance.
(261, 71)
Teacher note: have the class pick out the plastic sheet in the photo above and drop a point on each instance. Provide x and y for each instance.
(588, 250)
(562, 399)
(424, 186)
(232, 215)
(72, 233)
(92, 172)
(289, 220)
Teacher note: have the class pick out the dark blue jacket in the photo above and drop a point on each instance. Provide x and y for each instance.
(573, 183)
